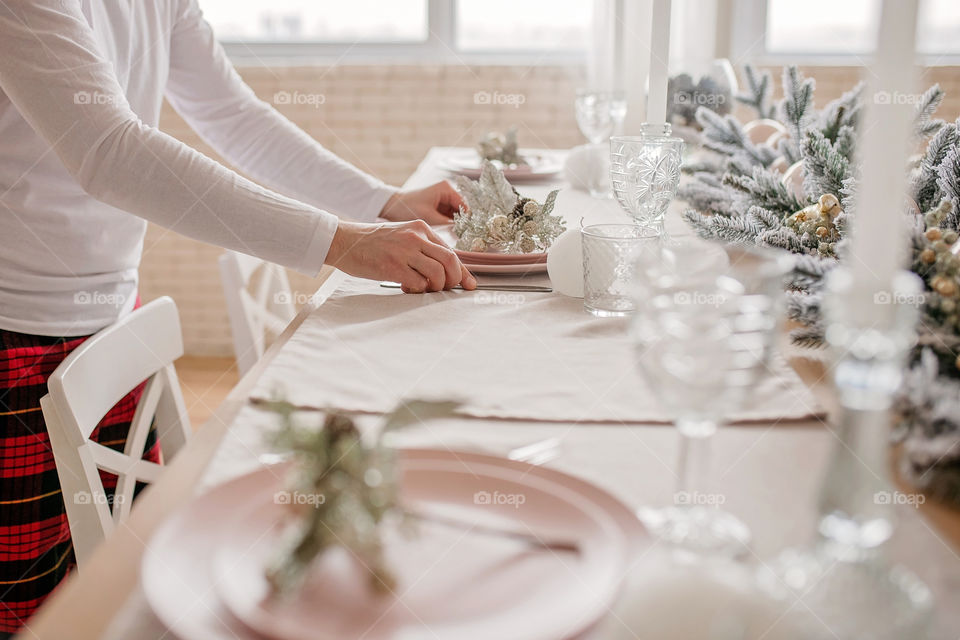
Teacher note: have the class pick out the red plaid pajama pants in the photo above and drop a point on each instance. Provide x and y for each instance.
(35, 548)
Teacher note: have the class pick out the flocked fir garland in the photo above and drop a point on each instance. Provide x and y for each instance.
(738, 195)
(498, 219)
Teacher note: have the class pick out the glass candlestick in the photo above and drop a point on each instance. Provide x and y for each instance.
(844, 579)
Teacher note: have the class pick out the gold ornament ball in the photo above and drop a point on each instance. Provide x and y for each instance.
(944, 286)
(928, 256)
(933, 234)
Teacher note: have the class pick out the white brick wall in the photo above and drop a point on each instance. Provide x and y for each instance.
(384, 118)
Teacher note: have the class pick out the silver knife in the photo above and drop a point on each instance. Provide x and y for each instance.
(530, 288)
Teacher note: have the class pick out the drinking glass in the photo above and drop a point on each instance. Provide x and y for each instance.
(645, 173)
(600, 114)
(704, 330)
(609, 251)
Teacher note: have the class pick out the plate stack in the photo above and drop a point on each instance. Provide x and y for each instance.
(203, 573)
(494, 263)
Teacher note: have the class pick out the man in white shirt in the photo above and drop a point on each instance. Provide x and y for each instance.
(83, 168)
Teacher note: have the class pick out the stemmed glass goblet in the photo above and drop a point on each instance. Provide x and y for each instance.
(645, 173)
(600, 114)
(704, 331)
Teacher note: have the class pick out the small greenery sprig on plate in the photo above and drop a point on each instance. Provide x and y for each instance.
(355, 489)
(498, 219)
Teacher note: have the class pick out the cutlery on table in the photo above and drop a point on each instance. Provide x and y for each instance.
(536, 453)
(470, 526)
(530, 288)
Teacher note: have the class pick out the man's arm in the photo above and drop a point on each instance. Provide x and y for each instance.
(209, 94)
(48, 56)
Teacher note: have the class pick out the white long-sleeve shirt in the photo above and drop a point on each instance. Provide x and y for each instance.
(83, 167)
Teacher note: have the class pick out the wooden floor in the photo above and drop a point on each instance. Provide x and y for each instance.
(206, 381)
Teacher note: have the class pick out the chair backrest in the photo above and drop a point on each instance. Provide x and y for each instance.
(267, 309)
(87, 384)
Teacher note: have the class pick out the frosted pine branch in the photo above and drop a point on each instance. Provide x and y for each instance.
(923, 124)
(948, 179)
(758, 96)
(824, 167)
(924, 185)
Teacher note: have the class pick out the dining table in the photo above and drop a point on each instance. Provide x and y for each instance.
(524, 368)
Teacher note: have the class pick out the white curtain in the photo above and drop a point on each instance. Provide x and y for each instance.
(620, 51)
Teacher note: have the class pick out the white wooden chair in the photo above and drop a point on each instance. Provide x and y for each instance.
(268, 309)
(87, 384)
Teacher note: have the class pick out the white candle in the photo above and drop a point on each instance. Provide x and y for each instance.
(879, 240)
(659, 54)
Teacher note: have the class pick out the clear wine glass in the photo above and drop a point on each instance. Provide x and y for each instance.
(645, 174)
(600, 114)
(704, 330)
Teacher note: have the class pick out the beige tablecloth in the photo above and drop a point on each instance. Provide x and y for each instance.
(525, 356)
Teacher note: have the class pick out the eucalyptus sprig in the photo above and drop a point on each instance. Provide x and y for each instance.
(340, 490)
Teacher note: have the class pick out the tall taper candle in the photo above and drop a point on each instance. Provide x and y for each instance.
(879, 242)
(659, 55)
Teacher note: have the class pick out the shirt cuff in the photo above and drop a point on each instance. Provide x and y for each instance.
(319, 246)
(374, 205)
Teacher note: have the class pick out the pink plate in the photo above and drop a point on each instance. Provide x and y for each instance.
(487, 257)
(539, 166)
(506, 269)
(474, 257)
(451, 583)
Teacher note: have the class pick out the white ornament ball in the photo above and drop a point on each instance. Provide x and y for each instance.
(565, 264)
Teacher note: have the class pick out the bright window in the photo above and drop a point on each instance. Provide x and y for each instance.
(527, 25)
(333, 21)
(410, 30)
(832, 27)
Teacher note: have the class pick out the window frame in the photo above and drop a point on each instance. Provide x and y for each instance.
(748, 26)
(439, 48)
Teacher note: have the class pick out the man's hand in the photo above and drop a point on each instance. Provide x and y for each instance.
(406, 252)
(435, 204)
